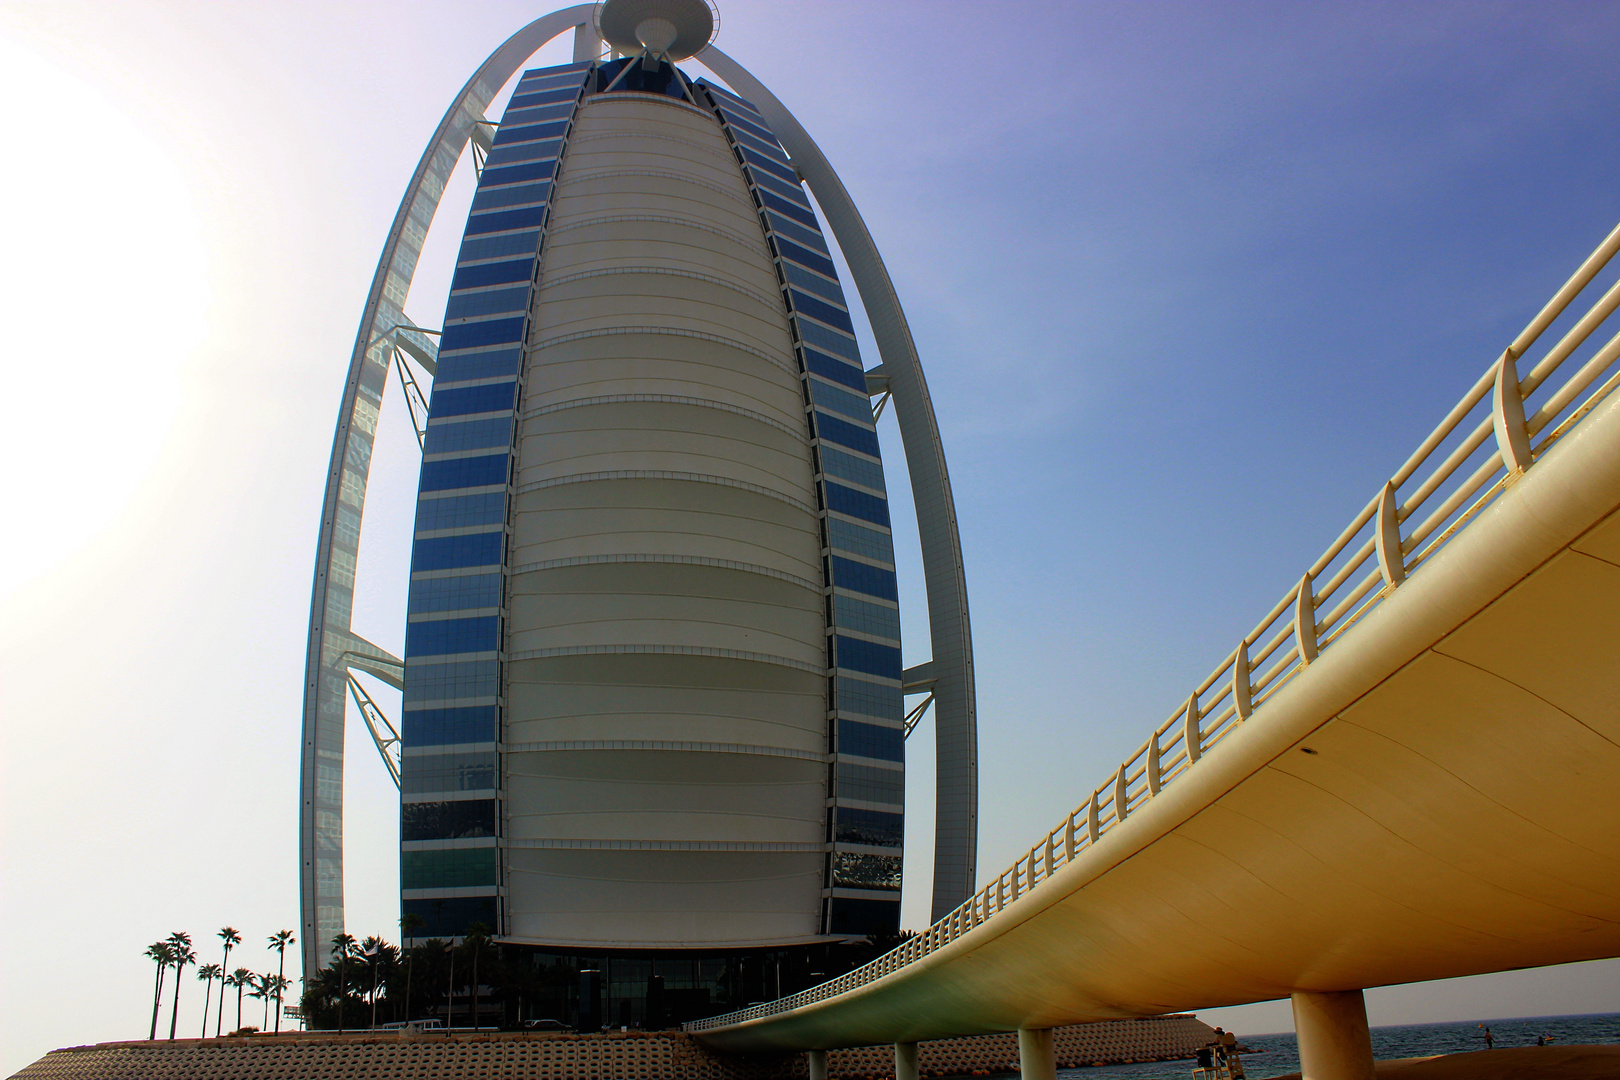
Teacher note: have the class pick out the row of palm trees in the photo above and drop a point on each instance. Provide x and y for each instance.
(176, 951)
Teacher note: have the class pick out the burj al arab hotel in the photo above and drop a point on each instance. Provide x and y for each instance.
(653, 709)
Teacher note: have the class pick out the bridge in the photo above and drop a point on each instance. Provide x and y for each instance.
(1406, 771)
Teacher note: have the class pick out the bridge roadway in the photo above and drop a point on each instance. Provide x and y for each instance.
(1434, 795)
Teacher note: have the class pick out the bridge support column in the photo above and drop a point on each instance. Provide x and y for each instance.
(905, 1061)
(1037, 1057)
(818, 1064)
(1334, 1043)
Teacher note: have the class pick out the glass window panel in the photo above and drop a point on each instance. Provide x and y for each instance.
(465, 367)
(825, 338)
(845, 466)
(472, 591)
(854, 871)
(491, 198)
(493, 302)
(842, 401)
(505, 136)
(447, 727)
(464, 401)
(485, 274)
(810, 238)
(493, 247)
(504, 220)
(800, 254)
(464, 472)
(804, 279)
(450, 917)
(456, 820)
(461, 511)
(855, 654)
(448, 637)
(858, 577)
(858, 540)
(872, 741)
(456, 868)
(469, 435)
(845, 500)
(874, 828)
(421, 774)
(832, 429)
(861, 698)
(825, 312)
(452, 552)
(447, 682)
(472, 335)
(852, 614)
(868, 783)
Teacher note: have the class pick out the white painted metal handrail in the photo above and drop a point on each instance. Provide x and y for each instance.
(1489, 439)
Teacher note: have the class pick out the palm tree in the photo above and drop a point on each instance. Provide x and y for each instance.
(230, 937)
(477, 934)
(261, 989)
(160, 952)
(240, 978)
(343, 947)
(279, 942)
(208, 973)
(408, 924)
(277, 986)
(183, 954)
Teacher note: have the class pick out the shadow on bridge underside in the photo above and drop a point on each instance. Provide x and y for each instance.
(1433, 797)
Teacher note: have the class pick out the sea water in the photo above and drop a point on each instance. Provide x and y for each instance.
(1278, 1055)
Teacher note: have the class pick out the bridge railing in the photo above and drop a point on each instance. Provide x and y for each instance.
(1494, 433)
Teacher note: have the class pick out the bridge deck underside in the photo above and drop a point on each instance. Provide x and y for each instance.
(1457, 816)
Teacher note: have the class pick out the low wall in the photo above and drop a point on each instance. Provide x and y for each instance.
(635, 1055)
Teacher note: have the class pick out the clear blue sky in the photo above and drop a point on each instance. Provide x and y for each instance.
(1188, 281)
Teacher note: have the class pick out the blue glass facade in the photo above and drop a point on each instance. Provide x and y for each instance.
(865, 712)
(451, 814)
(450, 817)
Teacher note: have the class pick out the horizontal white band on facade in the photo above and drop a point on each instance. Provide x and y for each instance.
(668, 650)
(871, 762)
(787, 365)
(677, 560)
(456, 571)
(733, 194)
(835, 628)
(866, 849)
(439, 749)
(666, 474)
(458, 844)
(815, 846)
(755, 245)
(471, 613)
(769, 300)
(450, 703)
(748, 749)
(862, 804)
(802, 433)
(442, 796)
(463, 892)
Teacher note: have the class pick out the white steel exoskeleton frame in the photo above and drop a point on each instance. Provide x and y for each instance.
(333, 648)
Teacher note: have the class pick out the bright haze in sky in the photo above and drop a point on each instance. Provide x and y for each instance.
(1189, 282)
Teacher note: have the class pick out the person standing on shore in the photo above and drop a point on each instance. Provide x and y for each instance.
(1489, 1042)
